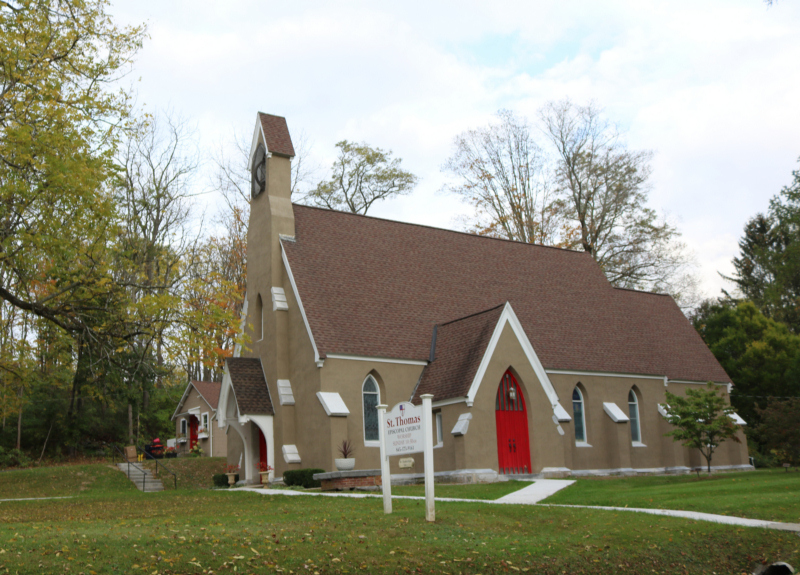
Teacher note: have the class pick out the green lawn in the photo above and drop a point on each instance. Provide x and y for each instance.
(61, 481)
(771, 494)
(478, 491)
(191, 472)
(110, 527)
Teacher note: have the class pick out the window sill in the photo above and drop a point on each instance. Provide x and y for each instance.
(581, 444)
(637, 444)
(372, 443)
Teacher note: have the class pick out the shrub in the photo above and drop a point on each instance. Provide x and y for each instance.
(779, 430)
(302, 477)
(221, 480)
(14, 458)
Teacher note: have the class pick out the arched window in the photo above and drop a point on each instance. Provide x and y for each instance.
(259, 327)
(371, 397)
(633, 410)
(580, 417)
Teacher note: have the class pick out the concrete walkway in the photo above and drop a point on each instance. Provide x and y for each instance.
(36, 498)
(539, 490)
(542, 489)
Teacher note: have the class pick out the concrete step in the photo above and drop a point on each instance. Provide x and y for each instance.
(141, 478)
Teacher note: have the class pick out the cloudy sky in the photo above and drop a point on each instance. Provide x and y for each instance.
(712, 87)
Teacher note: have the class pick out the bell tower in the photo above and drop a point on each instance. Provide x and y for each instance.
(271, 218)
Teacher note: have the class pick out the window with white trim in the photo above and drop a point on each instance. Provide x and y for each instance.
(183, 426)
(580, 415)
(633, 413)
(204, 422)
(371, 398)
(439, 432)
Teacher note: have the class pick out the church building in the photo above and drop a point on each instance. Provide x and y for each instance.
(536, 363)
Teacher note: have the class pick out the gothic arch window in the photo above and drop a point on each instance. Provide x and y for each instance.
(370, 399)
(259, 327)
(633, 412)
(579, 413)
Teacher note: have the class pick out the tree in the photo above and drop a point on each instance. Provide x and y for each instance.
(767, 270)
(702, 420)
(503, 172)
(779, 430)
(570, 181)
(605, 185)
(360, 177)
(60, 117)
(761, 355)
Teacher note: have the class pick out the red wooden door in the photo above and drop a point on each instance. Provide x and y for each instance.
(192, 431)
(513, 446)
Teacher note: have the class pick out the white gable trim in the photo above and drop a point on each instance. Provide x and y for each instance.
(663, 378)
(603, 374)
(224, 392)
(509, 317)
(258, 131)
(185, 396)
(181, 402)
(237, 348)
(317, 359)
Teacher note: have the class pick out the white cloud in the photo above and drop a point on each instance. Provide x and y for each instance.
(711, 87)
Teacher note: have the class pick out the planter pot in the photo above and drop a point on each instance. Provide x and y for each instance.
(345, 464)
(231, 478)
(182, 440)
(264, 479)
(171, 455)
(202, 436)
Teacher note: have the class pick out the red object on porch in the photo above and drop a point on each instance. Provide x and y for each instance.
(511, 416)
(192, 431)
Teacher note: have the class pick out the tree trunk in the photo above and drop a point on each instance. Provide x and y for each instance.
(130, 423)
(76, 379)
(19, 420)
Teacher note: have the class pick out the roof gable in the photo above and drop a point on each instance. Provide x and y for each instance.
(249, 386)
(376, 288)
(209, 391)
(276, 133)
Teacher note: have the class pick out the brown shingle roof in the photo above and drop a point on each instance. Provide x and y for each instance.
(276, 132)
(208, 390)
(375, 287)
(459, 348)
(250, 386)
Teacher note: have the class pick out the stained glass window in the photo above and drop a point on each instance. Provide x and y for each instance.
(371, 397)
(577, 411)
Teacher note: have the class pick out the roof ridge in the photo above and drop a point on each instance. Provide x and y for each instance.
(566, 250)
(473, 314)
(642, 291)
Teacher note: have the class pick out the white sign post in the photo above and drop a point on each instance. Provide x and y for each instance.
(386, 476)
(427, 425)
(407, 428)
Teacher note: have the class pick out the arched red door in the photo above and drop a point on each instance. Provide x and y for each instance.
(513, 447)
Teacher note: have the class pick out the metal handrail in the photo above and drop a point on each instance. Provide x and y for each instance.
(125, 459)
(150, 455)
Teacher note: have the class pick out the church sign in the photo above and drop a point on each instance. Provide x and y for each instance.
(404, 429)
